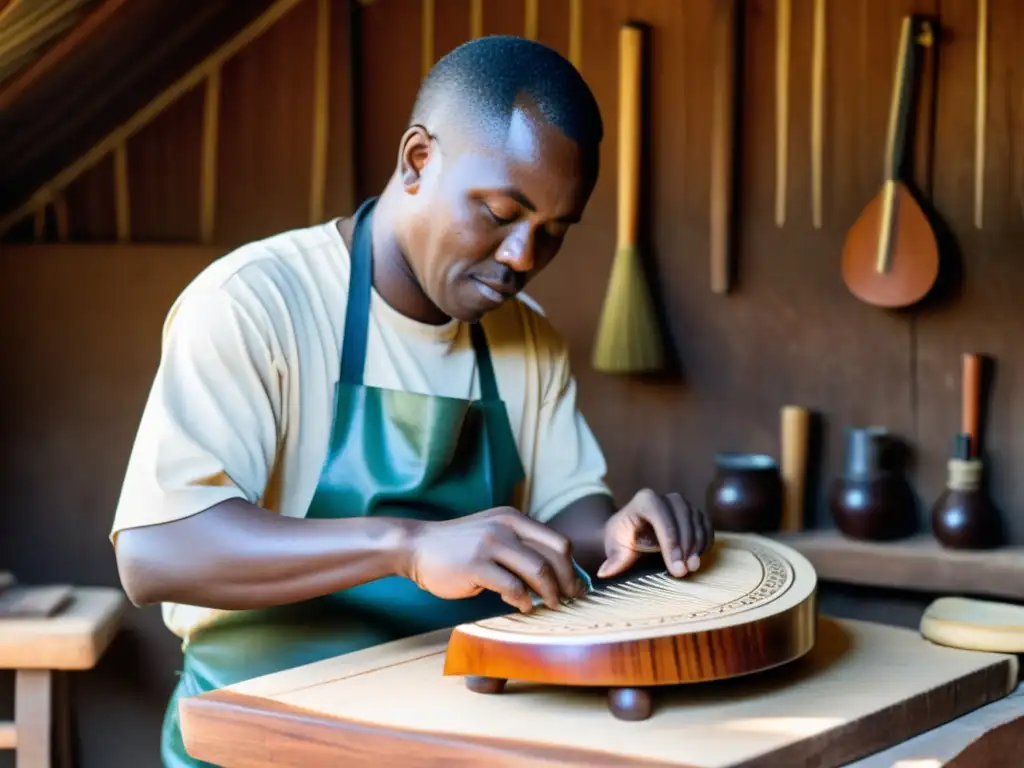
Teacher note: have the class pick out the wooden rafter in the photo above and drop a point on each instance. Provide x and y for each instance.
(45, 194)
(79, 34)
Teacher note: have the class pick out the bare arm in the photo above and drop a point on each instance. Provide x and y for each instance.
(236, 556)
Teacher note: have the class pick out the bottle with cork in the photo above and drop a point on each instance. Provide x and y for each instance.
(963, 517)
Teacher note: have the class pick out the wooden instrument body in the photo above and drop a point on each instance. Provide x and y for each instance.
(751, 606)
(891, 255)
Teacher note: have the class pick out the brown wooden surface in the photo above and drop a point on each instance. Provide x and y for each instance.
(389, 705)
(916, 564)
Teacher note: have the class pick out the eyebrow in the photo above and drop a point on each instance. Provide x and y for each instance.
(524, 201)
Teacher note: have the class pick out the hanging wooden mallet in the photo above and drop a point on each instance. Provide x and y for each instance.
(628, 336)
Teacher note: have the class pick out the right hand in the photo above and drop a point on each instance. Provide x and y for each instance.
(498, 549)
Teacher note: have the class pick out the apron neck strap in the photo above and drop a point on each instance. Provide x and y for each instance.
(357, 312)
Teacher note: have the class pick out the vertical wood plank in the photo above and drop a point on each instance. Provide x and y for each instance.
(576, 33)
(427, 37)
(60, 209)
(33, 717)
(122, 199)
(321, 96)
(783, 24)
(980, 113)
(476, 18)
(531, 19)
(208, 169)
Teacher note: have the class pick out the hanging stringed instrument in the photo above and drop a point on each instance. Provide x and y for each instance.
(891, 257)
(751, 606)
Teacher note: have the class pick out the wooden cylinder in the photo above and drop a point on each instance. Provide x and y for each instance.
(630, 84)
(971, 393)
(795, 432)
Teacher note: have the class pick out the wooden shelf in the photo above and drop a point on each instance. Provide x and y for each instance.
(917, 564)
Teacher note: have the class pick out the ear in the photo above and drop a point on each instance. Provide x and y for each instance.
(415, 153)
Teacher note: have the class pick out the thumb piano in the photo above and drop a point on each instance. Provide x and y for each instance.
(750, 607)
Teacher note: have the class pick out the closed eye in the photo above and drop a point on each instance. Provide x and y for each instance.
(500, 220)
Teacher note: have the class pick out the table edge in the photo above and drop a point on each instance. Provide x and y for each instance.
(209, 720)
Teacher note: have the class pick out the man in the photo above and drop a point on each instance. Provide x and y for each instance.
(362, 430)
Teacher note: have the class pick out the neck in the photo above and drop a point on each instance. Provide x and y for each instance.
(392, 276)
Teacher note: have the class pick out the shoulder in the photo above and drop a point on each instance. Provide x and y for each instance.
(268, 280)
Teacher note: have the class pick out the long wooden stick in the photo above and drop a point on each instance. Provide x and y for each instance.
(426, 37)
(531, 18)
(208, 166)
(321, 111)
(122, 195)
(723, 108)
(196, 75)
(981, 109)
(783, 15)
(818, 114)
(576, 33)
(476, 18)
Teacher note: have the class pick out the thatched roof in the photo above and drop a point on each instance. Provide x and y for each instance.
(72, 70)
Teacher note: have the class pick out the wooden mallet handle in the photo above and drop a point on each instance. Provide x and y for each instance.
(630, 84)
(971, 400)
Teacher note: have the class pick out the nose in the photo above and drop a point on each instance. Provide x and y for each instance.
(516, 251)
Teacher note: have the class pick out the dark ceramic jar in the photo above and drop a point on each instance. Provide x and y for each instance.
(963, 516)
(745, 495)
(871, 500)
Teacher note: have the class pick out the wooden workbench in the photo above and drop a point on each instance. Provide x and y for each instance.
(42, 651)
(863, 689)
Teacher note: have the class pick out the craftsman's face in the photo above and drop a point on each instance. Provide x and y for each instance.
(486, 219)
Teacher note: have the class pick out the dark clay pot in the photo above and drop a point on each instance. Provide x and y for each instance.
(745, 495)
(963, 517)
(871, 500)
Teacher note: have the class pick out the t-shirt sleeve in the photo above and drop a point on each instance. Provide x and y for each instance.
(209, 429)
(568, 463)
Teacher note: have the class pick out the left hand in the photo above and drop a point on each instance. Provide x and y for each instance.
(651, 522)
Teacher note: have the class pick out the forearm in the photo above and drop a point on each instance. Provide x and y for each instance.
(236, 556)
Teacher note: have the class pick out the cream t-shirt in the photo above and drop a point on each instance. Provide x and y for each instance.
(242, 402)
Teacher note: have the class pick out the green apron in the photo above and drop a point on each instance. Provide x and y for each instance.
(392, 454)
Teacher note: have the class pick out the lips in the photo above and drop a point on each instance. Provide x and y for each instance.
(495, 293)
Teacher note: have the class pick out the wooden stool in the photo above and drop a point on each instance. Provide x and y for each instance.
(41, 651)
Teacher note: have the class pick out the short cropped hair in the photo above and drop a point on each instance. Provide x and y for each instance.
(479, 83)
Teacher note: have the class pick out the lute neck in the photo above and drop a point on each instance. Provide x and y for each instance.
(915, 30)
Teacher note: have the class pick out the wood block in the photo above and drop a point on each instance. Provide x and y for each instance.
(75, 638)
(21, 602)
(862, 689)
(975, 625)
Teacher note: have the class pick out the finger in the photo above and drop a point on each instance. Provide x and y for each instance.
(709, 531)
(569, 582)
(531, 567)
(657, 512)
(618, 560)
(700, 541)
(511, 588)
(536, 533)
(683, 514)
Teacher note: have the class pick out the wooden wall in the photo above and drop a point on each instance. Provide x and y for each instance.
(83, 325)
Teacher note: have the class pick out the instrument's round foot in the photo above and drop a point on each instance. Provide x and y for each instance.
(485, 684)
(630, 703)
